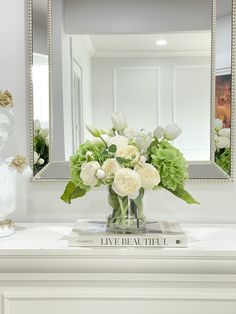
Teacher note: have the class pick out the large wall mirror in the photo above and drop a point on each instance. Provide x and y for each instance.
(157, 61)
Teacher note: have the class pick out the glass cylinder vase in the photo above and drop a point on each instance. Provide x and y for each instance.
(127, 213)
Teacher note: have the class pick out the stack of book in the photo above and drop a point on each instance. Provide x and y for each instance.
(88, 233)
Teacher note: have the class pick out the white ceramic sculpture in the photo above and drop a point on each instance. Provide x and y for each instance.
(13, 171)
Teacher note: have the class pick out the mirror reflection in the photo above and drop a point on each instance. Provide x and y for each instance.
(157, 74)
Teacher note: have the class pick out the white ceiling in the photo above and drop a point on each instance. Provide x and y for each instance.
(179, 43)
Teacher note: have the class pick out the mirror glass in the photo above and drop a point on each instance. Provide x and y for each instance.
(223, 95)
(153, 61)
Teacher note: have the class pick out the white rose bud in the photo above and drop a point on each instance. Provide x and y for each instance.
(218, 124)
(143, 140)
(128, 152)
(143, 159)
(117, 140)
(94, 131)
(126, 182)
(100, 174)
(225, 132)
(40, 161)
(119, 121)
(158, 132)
(88, 173)
(130, 132)
(110, 166)
(172, 131)
(222, 142)
(149, 176)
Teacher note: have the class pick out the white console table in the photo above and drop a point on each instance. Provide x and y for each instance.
(40, 274)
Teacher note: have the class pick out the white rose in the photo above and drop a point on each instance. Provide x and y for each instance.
(222, 142)
(119, 121)
(149, 176)
(158, 132)
(88, 173)
(128, 152)
(117, 140)
(130, 132)
(218, 124)
(172, 131)
(110, 166)
(143, 140)
(126, 182)
(225, 132)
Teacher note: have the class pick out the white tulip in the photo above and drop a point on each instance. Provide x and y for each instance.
(37, 125)
(94, 131)
(47, 140)
(117, 140)
(172, 131)
(45, 132)
(100, 174)
(149, 176)
(143, 140)
(128, 152)
(88, 173)
(119, 121)
(36, 157)
(130, 132)
(88, 154)
(126, 182)
(158, 132)
(225, 132)
(218, 124)
(222, 142)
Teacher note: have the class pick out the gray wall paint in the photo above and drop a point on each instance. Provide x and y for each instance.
(136, 16)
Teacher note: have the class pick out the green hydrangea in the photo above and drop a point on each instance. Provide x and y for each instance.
(79, 158)
(223, 159)
(171, 165)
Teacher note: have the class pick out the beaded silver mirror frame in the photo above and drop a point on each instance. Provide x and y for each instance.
(199, 171)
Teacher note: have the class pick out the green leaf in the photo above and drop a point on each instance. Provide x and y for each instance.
(184, 195)
(120, 160)
(112, 148)
(71, 192)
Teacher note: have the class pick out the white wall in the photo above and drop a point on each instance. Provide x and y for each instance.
(40, 201)
(223, 42)
(118, 84)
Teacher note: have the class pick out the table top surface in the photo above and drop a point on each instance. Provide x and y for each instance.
(48, 239)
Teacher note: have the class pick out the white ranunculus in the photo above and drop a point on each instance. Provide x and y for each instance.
(158, 132)
(149, 176)
(218, 124)
(110, 166)
(100, 174)
(117, 140)
(130, 132)
(222, 142)
(143, 140)
(225, 132)
(128, 152)
(88, 173)
(172, 131)
(36, 157)
(119, 121)
(126, 182)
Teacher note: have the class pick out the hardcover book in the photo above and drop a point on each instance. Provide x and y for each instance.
(88, 233)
